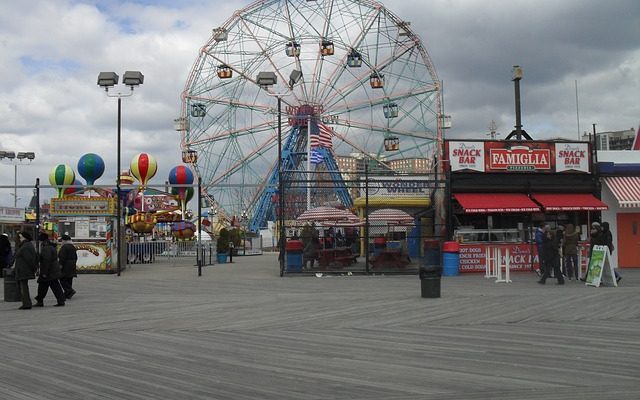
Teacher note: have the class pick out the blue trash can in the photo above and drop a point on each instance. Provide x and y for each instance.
(294, 250)
(451, 259)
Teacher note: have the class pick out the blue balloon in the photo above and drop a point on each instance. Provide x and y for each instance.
(90, 167)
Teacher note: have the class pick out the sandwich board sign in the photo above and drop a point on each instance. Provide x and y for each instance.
(600, 270)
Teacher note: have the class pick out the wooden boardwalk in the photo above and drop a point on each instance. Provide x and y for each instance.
(241, 332)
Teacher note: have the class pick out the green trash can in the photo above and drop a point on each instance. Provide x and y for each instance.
(11, 292)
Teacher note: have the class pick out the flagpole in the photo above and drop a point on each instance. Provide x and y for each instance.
(309, 162)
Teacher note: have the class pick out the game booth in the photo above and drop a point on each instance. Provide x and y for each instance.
(87, 212)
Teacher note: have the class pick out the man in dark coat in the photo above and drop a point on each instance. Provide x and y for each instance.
(26, 263)
(68, 257)
(49, 272)
(552, 257)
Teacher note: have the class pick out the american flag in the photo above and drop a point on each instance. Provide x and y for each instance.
(316, 157)
(321, 135)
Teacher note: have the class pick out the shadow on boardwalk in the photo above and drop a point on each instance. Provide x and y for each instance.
(241, 332)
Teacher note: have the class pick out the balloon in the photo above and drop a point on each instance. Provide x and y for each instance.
(143, 167)
(90, 167)
(181, 175)
(72, 190)
(183, 201)
(188, 194)
(60, 175)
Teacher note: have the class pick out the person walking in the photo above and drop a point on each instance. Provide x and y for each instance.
(607, 239)
(49, 272)
(552, 257)
(539, 238)
(26, 263)
(5, 252)
(571, 238)
(68, 258)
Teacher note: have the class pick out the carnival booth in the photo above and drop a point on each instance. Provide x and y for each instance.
(87, 212)
(502, 190)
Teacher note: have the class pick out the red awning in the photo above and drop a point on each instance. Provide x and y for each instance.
(495, 202)
(569, 202)
(626, 190)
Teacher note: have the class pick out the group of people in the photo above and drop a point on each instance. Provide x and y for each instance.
(562, 244)
(54, 268)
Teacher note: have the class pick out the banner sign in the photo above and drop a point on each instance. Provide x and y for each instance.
(600, 270)
(11, 215)
(68, 206)
(521, 256)
(410, 186)
(572, 157)
(466, 155)
(521, 156)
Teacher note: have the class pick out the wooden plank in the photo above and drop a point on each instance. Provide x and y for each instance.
(241, 332)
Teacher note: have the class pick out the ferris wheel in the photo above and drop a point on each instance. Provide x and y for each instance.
(350, 69)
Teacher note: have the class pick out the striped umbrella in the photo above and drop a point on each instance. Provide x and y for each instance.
(328, 214)
(391, 216)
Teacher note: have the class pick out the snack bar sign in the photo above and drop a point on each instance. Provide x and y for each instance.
(511, 156)
(572, 157)
(466, 155)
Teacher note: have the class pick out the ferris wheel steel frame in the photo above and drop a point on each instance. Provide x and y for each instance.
(235, 133)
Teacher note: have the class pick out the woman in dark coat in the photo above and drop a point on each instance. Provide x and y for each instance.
(26, 263)
(49, 272)
(68, 257)
(607, 240)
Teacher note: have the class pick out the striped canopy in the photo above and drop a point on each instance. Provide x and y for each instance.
(391, 216)
(328, 214)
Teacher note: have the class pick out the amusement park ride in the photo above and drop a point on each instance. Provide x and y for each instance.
(360, 81)
(93, 206)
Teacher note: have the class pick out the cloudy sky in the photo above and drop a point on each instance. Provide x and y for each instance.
(52, 51)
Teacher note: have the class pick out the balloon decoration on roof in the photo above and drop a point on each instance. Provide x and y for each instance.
(61, 175)
(73, 190)
(90, 167)
(143, 167)
(181, 175)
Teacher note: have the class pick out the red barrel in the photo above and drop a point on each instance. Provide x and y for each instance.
(294, 245)
(451, 247)
(380, 241)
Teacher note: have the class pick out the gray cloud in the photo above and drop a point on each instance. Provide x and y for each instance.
(53, 51)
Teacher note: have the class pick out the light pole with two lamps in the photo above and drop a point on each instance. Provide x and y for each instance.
(265, 80)
(108, 80)
(11, 155)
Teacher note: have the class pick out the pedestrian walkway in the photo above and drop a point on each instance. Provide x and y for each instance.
(240, 331)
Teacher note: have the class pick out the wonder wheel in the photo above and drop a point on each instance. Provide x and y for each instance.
(350, 70)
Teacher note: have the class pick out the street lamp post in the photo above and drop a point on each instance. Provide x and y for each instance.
(517, 76)
(11, 155)
(243, 221)
(108, 80)
(265, 80)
